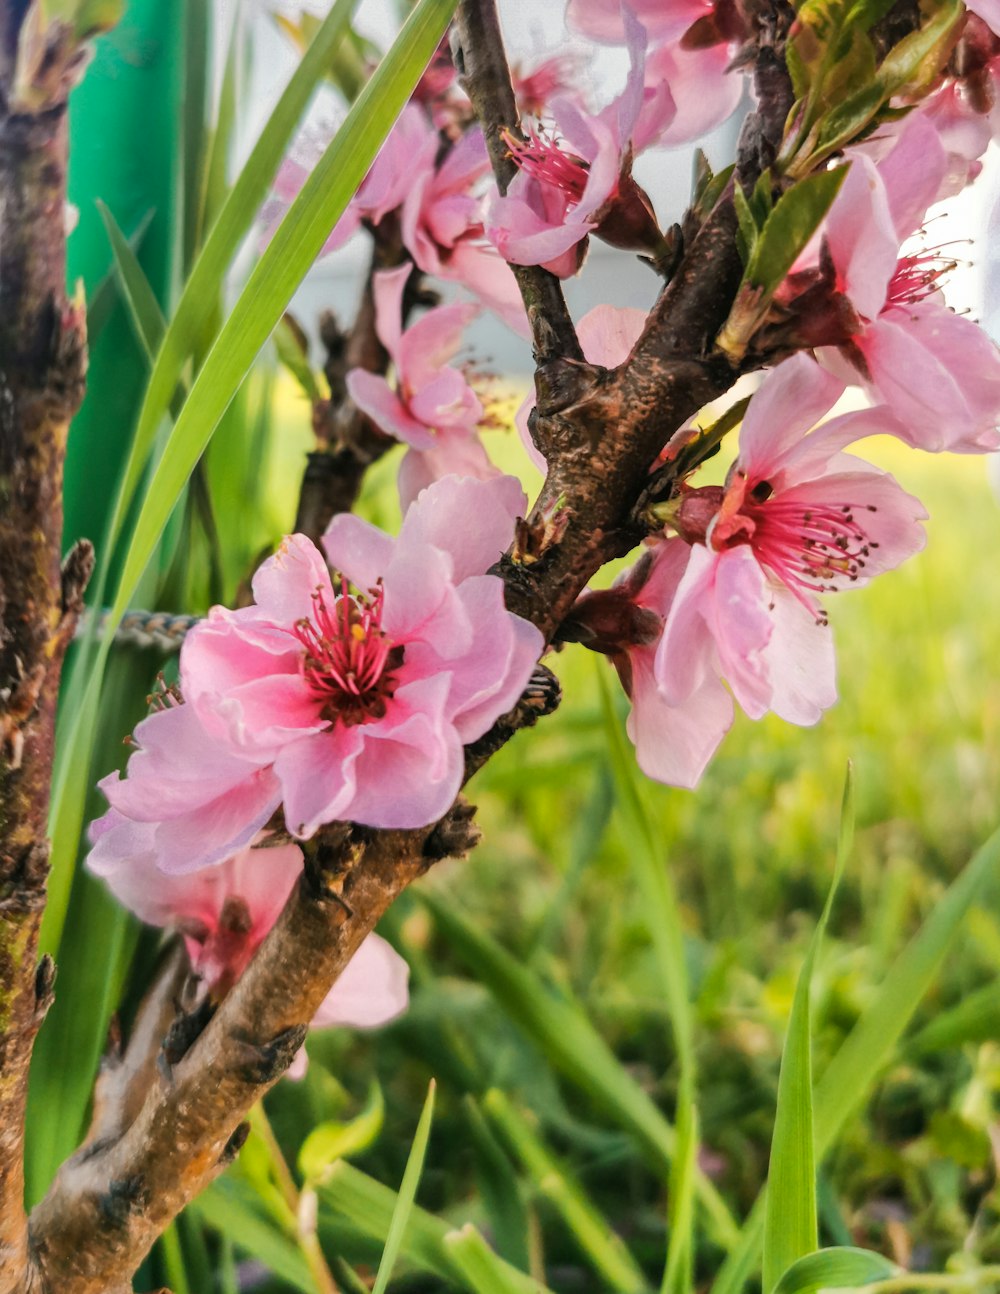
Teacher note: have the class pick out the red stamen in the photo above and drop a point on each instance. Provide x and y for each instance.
(546, 162)
(349, 662)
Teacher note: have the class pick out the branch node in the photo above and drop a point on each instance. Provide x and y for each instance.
(124, 1196)
(456, 835)
(45, 976)
(235, 1144)
(262, 1062)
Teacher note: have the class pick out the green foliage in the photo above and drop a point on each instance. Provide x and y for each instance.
(407, 1194)
(790, 1225)
(842, 92)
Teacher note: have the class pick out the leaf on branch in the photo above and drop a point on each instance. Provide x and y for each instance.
(838, 1268)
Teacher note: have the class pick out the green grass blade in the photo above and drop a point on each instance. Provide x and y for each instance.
(277, 274)
(370, 1206)
(499, 1189)
(228, 1207)
(605, 1250)
(975, 1019)
(147, 317)
(872, 1042)
(202, 289)
(478, 1264)
(575, 1048)
(407, 1194)
(666, 931)
(791, 1230)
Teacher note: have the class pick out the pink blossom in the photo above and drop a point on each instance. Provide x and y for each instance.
(673, 742)
(603, 20)
(433, 409)
(938, 372)
(360, 702)
(607, 335)
(563, 194)
(798, 518)
(224, 911)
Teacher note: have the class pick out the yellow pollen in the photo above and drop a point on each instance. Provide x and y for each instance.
(357, 633)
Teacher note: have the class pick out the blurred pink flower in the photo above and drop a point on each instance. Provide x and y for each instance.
(362, 701)
(433, 409)
(797, 518)
(224, 911)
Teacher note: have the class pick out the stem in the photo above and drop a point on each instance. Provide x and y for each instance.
(307, 1239)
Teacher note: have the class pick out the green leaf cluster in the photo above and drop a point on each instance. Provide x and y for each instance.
(842, 91)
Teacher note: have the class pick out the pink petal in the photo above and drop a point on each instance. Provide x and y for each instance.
(376, 399)
(800, 662)
(673, 744)
(411, 766)
(283, 586)
(358, 550)
(388, 287)
(702, 95)
(452, 455)
(431, 342)
(471, 520)
(913, 173)
(791, 399)
(862, 237)
(608, 333)
(371, 991)
(319, 778)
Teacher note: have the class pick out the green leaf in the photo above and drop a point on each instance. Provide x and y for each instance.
(912, 65)
(835, 1269)
(574, 1047)
(94, 16)
(293, 352)
(499, 1189)
(796, 217)
(790, 1226)
(331, 1141)
(407, 1194)
(746, 227)
(975, 1019)
(147, 317)
(872, 1042)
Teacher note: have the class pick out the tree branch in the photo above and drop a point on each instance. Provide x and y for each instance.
(42, 364)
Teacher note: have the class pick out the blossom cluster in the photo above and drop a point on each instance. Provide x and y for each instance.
(349, 688)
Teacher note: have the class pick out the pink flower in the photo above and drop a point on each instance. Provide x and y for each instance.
(563, 194)
(938, 372)
(224, 911)
(607, 335)
(361, 701)
(673, 742)
(433, 409)
(798, 518)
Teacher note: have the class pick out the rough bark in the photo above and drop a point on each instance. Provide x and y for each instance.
(42, 364)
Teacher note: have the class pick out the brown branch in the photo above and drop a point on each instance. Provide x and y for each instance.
(42, 364)
(478, 51)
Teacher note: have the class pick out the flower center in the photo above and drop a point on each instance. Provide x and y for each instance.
(349, 663)
(545, 161)
(810, 548)
(916, 277)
